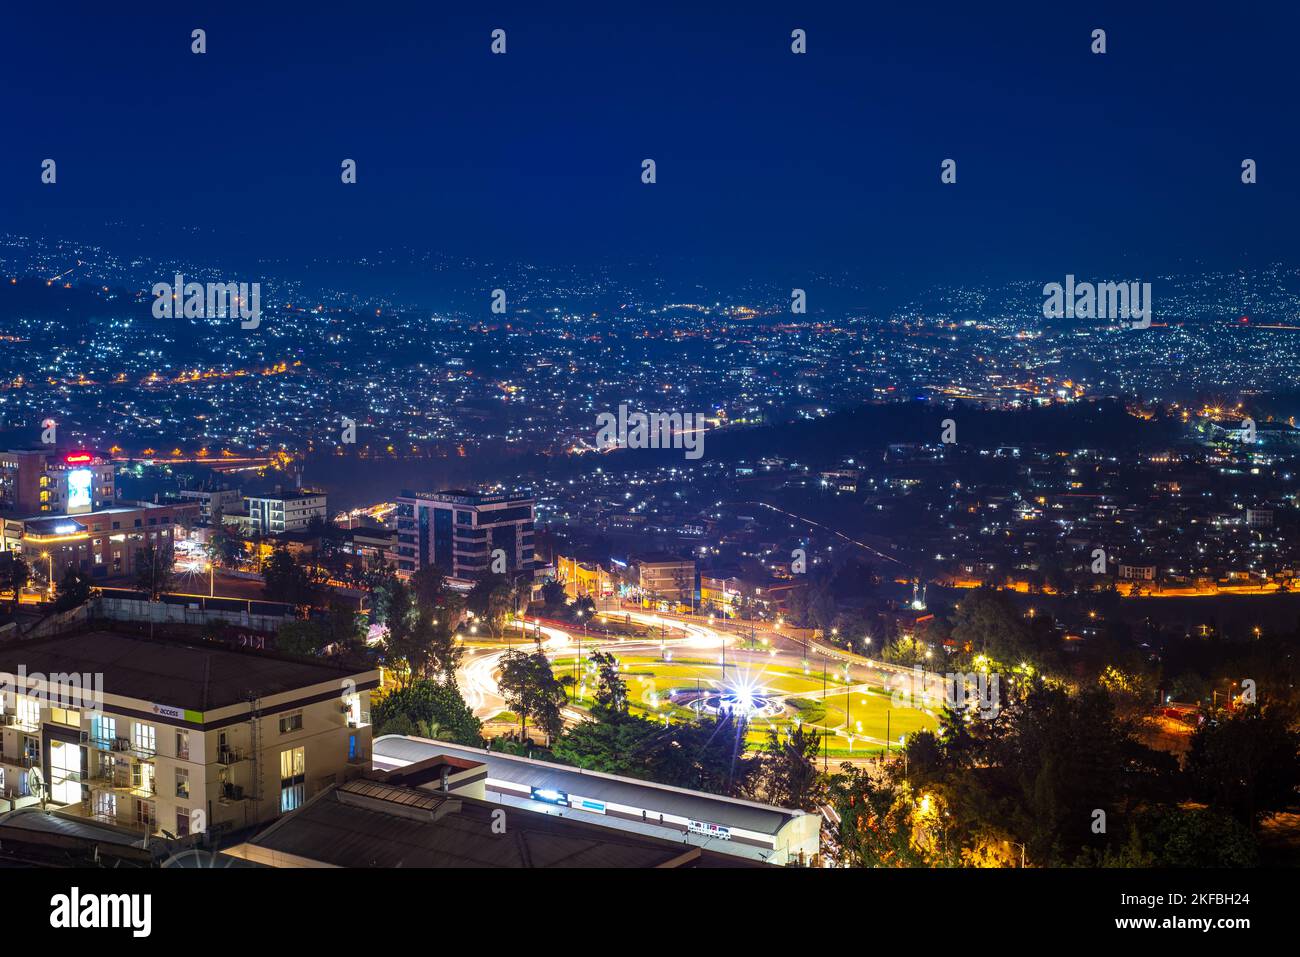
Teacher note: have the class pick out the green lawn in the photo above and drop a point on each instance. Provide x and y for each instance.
(649, 682)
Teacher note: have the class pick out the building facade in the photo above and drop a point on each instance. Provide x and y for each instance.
(665, 578)
(465, 534)
(45, 481)
(211, 501)
(162, 736)
(273, 514)
(102, 544)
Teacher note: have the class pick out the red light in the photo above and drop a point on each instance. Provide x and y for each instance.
(77, 458)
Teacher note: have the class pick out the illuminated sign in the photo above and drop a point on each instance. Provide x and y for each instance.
(77, 458)
(183, 714)
(79, 481)
(588, 805)
(550, 796)
(711, 830)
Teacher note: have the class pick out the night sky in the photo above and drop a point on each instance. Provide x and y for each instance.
(768, 163)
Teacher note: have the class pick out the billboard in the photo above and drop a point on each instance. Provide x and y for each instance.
(79, 485)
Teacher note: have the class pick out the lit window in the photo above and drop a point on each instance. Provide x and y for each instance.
(293, 775)
(146, 738)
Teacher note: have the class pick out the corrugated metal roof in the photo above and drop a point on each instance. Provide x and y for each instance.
(34, 819)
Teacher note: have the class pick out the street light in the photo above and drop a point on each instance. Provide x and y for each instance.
(50, 587)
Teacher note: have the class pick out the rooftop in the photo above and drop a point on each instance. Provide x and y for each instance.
(373, 824)
(189, 675)
(392, 750)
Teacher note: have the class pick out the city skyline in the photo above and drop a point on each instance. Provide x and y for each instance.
(832, 439)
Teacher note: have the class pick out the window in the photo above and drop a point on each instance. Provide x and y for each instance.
(66, 716)
(29, 711)
(183, 745)
(146, 814)
(106, 805)
(293, 774)
(182, 822)
(291, 722)
(103, 729)
(182, 782)
(142, 777)
(146, 738)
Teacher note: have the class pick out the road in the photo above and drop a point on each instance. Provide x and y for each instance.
(478, 673)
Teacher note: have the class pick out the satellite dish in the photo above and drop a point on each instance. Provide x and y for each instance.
(36, 783)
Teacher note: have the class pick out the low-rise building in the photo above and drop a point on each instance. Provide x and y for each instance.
(175, 736)
(282, 512)
(103, 544)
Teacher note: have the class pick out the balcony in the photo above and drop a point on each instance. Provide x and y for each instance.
(229, 756)
(230, 793)
(107, 780)
(19, 722)
(359, 759)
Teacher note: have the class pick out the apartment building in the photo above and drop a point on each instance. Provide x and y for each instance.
(175, 737)
(213, 501)
(281, 512)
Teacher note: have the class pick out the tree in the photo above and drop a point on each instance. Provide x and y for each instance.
(876, 821)
(1247, 764)
(614, 745)
(490, 601)
(1181, 837)
(787, 774)
(611, 689)
(429, 586)
(286, 579)
(153, 570)
(553, 595)
(380, 582)
(341, 629)
(420, 637)
(531, 690)
(428, 709)
(14, 576)
(303, 637)
(223, 547)
(74, 590)
(703, 756)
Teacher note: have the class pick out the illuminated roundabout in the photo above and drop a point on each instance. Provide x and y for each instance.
(736, 702)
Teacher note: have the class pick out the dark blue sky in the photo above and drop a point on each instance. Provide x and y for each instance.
(769, 163)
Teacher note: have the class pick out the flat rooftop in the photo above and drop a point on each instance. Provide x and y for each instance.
(372, 824)
(190, 675)
(391, 751)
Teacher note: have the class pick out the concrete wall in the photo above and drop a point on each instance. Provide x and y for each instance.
(127, 609)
